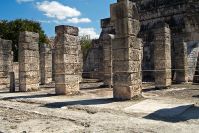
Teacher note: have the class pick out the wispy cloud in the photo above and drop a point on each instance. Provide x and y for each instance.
(54, 9)
(22, 1)
(88, 31)
(78, 20)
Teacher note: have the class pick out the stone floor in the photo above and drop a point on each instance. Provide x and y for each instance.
(93, 110)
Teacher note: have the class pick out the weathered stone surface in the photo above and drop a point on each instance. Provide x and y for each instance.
(67, 61)
(28, 61)
(162, 56)
(126, 51)
(67, 30)
(45, 64)
(6, 62)
(181, 61)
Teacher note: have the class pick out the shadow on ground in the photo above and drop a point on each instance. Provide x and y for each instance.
(31, 96)
(195, 96)
(172, 115)
(79, 102)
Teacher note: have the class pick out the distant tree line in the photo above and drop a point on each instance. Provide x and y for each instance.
(10, 30)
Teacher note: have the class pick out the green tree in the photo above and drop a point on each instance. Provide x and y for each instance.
(10, 30)
(85, 42)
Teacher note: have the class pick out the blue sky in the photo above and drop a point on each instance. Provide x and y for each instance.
(85, 14)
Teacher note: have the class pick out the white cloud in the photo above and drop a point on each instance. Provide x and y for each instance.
(78, 20)
(21, 1)
(88, 31)
(57, 10)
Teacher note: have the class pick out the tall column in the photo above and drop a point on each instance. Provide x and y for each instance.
(45, 64)
(196, 76)
(181, 64)
(6, 62)
(53, 64)
(126, 51)
(107, 60)
(28, 61)
(162, 56)
(67, 66)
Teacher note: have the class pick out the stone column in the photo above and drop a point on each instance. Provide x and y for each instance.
(126, 51)
(181, 64)
(196, 76)
(28, 61)
(6, 62)
(45, 64)
(107, 60)
(67, 67)
(53, 64)
(162, 56)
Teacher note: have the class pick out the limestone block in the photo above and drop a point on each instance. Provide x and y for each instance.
(28, 37)
(130, 42)
(123, 9)
(126, 27)
(126, 92)
(62, 29)
(128, 66)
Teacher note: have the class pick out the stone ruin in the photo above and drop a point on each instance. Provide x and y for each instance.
(6, 63)
(67, 63)
(28, 61)
(182, 18)
(143, 40)
(45, 64)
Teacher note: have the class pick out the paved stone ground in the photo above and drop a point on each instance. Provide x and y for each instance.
(93, 110)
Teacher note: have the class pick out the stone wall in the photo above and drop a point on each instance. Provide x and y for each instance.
(28, 61)
(67, 63)
(193, 50)
(45, 64)
(93, 66)
(6, 62)
(126, 51)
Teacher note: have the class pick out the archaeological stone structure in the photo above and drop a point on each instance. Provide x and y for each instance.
(67, 63)
(45, 64)
(154, 41)
(6, 62)
(126, 51)
(182, 17)
(92, 67)
(28, 61)
(162, 56)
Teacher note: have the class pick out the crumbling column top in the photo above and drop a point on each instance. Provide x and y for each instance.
(65, 29)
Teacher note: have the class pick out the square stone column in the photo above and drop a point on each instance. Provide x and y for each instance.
(6, 62)
(28, 61)
(162, 56)
(181, 62)
(45, 64)
(196, 76)
(126, 51)
(107, 60)
(67, 64)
